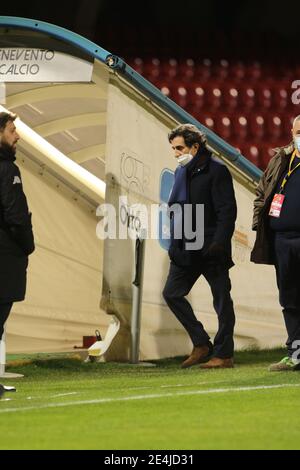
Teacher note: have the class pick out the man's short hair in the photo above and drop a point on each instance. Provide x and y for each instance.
(190, 133)
(5, 118)
(297, 118)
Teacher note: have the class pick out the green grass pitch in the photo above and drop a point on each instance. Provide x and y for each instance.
(63, 403)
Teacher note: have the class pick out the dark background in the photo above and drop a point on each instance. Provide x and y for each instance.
(230, 64)
(262, 30)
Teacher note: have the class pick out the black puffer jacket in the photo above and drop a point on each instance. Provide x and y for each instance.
(16, 236)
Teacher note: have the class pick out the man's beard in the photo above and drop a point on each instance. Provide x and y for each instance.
(8, 148)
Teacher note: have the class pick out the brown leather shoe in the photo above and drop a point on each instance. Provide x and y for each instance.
(199, 354)
(218, 363)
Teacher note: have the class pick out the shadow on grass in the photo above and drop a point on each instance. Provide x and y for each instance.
(73, 364)
(244, 357)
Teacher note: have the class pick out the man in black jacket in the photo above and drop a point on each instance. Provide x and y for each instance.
(16, 237)
(200, 179)
(276, 221)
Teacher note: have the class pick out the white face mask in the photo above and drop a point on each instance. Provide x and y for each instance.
(297, 143)
(184, 159)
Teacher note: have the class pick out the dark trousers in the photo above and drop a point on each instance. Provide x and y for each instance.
(287, 264)
(4, 313)
(179, 283)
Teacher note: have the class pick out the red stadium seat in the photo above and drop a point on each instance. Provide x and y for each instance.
(274, 126)
(251, 152)
(240, 127)
(203, 70)
(169, 69)
(230, 94)
(236, 71)
(196, 97)
(287, 124)
(264, 96)
(152, 69)
(164, 87)
(266, 153)
(257, 127)
(247, 97)
(241, 102)
(223, 126)
(180, 95)
(220, 70)
(208, 120)
(286, 72)
(186, 70)
(281, 95)
(213, 95)
(253, 72)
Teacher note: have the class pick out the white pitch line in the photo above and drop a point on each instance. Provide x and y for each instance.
(192, 385)
(147, 397)
(63, 395)
(171, 386)
(59, 395)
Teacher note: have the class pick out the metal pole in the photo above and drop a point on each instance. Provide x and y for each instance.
(2, 355)
(137, 301)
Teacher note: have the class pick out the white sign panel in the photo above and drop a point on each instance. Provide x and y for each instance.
(39, 65)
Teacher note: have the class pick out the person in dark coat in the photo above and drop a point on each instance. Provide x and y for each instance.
(277, 226)
(16, 236)
(200, 179)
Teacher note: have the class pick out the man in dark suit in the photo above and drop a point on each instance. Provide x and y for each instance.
(16, 237)
(277, 226)
(200, 179)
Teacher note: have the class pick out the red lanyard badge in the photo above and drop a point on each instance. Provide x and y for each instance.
(277, 203)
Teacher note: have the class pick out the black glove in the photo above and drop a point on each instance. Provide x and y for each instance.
(216, 252)
(216, 257)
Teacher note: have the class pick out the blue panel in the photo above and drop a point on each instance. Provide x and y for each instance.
(166, 185)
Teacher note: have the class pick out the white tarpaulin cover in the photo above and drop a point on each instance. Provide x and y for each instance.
(65, 272)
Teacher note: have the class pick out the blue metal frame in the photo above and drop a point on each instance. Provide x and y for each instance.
(58, 32)
(139, 82)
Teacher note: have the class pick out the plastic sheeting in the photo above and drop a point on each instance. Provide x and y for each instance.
(65, 272)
